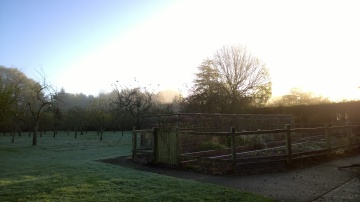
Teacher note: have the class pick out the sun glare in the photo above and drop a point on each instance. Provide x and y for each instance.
(167, 48)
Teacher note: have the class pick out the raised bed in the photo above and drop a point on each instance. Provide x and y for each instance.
(262, 165)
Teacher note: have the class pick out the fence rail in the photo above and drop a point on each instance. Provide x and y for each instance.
(170, 139)
(189, 131)
(288, 140)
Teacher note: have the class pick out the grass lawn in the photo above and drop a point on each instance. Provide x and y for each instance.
(65, 169)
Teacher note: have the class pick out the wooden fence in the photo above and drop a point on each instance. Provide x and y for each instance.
(159, 145)
(289, 155)
(218, 122)
(166, 146)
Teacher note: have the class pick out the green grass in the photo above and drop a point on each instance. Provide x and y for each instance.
(65, 169)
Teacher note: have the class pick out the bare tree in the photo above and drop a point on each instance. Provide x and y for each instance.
(229, 82)
(131, 103)
(100, 113)
(243, 74)
(39, 98)
(76, 119)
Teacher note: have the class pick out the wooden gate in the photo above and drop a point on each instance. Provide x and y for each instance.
(166, 146)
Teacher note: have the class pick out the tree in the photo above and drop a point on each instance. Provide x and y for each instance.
(12, 82)
(6, 98)
(39, 98)
(131, 104)
(298, 97)
(244, 75)
(231, 81)
(57, 117)
(100, 113)
(75, 109)
(74, 100)
(208, 91)
(75, 119)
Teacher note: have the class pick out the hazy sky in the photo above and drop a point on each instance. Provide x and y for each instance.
(87, 45)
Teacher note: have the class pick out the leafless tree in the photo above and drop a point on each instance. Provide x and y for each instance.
(131, 103)
(230, 81)
(243, 74)
(100, 113)
(39, 98)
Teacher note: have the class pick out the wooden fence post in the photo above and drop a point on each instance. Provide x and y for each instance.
(348, 132)
(288, 145)
(156, 144)
(233, 145)
(350, 129)
(134, 142)
(177, 146)
(158, 120)
(327, 139)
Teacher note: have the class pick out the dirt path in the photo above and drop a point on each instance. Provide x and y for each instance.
(324, 182)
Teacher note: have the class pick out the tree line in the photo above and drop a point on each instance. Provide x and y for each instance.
(37, 107)
(231, 81)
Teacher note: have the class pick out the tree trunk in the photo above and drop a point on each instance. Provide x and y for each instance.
(31, 130)
(13, 138)
(34, 142)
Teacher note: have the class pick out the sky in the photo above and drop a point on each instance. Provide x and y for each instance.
(87, 46)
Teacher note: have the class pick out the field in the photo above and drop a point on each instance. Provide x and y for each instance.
(66, 169)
